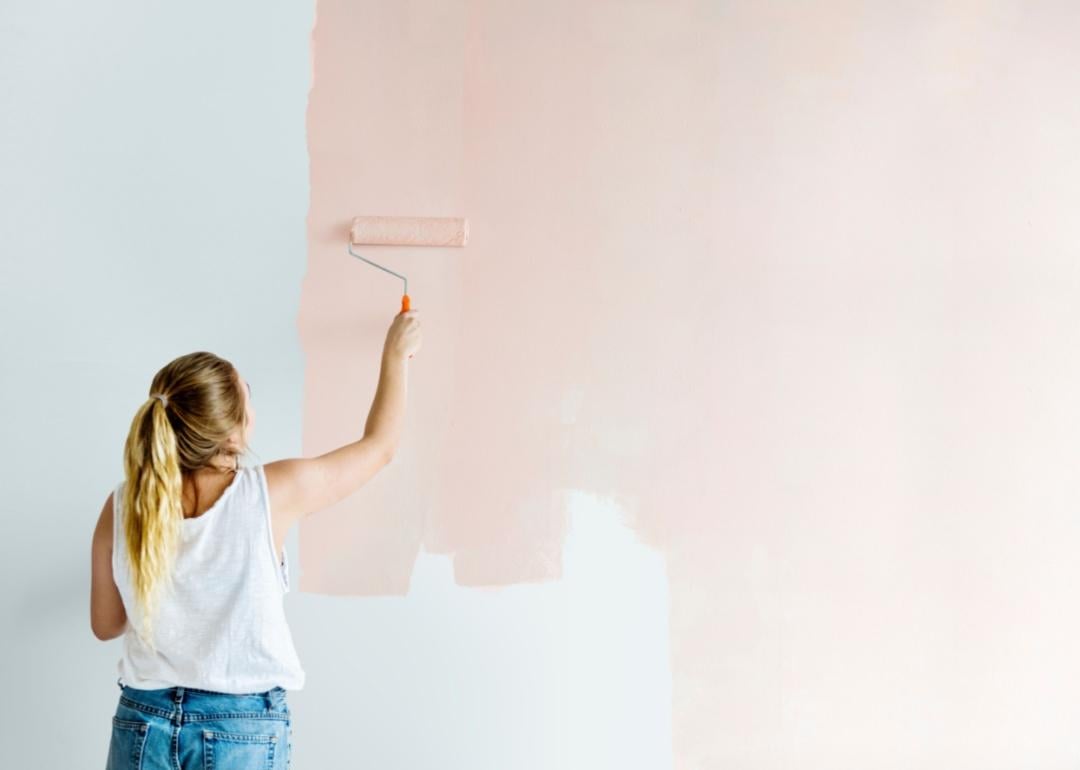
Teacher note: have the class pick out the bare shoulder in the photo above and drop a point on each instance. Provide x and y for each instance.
(280, 483)
(104, 529)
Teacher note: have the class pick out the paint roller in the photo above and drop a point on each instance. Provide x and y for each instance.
(406, 231)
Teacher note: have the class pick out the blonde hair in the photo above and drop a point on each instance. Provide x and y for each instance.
(164, 443)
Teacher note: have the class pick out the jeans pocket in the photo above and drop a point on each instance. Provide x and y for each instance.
(279, 700)
(238, 751)
(126, 744)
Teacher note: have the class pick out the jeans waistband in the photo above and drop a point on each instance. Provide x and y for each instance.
(193, 703)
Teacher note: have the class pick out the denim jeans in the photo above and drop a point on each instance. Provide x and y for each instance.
(183, 728)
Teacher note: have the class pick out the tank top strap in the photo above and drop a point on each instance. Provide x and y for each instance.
(117, 539)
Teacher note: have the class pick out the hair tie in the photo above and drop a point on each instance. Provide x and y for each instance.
(161, 397)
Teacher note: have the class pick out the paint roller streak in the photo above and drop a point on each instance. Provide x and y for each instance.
(404, 58)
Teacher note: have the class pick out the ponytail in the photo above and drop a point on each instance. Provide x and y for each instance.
(152, 508)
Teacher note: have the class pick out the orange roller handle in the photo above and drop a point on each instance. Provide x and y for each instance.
(405, 307)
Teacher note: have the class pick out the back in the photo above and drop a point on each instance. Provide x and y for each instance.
(222, 627)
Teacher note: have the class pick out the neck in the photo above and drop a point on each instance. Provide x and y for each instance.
(221, 464)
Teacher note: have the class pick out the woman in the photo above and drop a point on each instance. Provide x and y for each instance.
(188, 564)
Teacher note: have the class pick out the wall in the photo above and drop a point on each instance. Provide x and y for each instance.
(742, 431)
(788, 285)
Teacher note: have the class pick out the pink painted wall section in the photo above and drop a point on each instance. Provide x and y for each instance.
(558, 343)
(793, 284)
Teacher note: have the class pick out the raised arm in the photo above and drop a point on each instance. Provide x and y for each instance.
(302, 485)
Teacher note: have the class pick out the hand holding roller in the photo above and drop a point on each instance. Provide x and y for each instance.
(403, 337)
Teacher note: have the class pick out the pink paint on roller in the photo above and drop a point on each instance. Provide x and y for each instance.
(410, 231)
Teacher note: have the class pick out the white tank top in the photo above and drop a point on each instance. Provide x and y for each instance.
(222, 627)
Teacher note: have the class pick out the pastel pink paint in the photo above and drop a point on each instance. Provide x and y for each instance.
(741, 269)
